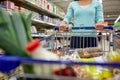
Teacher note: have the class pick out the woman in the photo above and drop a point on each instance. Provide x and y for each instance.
(85, 13)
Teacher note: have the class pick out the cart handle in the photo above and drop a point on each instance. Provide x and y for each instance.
(86, 27)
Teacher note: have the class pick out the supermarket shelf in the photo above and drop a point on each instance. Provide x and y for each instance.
(42, 23)
(31, 6)
(39, 35)
(35, 35)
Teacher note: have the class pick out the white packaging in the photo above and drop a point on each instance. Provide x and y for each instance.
(33, 29)
(44, 69)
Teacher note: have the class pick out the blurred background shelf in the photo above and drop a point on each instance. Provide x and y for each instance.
(31, 6)
(42, 24)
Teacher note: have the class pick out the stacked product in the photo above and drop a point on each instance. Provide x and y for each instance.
(10, 6)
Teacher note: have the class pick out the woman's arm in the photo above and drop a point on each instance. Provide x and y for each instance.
(99, 16)
(69, 14)
(68, 18)
(99, 13)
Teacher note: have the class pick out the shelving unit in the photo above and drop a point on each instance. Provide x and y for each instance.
(31, 6)
(42, 23)
(27, 4)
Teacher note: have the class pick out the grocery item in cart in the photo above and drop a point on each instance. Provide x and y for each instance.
(113, 56)
(92, 72)
(37, 52)
(118, 42)
(67, 71)
(90, 52)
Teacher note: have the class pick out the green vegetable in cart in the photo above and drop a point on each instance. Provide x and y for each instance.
(27, 25)
(14, 32)
(19, 29)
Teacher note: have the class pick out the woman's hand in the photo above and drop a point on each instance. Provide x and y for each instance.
(63, 26)
(99, 25)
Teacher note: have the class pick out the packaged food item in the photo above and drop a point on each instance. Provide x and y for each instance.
(90, 52)
(113, 56)
(53, 8)
(67, 71)
(33, 29)
(116, 77)
(86, 71)
(3, 76)
(38, 52)
(106, 74)
(58, 52)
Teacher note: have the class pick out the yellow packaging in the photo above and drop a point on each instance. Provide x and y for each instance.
(92, 70)
(106, 74)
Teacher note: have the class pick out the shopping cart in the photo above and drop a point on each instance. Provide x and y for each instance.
(80, 37)
(67, 70)
(116, 41)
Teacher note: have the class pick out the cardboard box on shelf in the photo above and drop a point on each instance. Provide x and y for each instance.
(10, 5)
(3, 4)
(43, 3)
(21, 9)
(16, 8)
(54, 9)
(35, 16)
(48, 6)
(33, 29)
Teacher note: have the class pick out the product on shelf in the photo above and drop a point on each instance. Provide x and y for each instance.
(33, 29)
(10, 6)
(50, 31)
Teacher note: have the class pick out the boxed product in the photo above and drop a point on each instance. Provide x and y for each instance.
(10, 5)
(33, 29)
(42, 17)
(21, 9)
(3, 4)
(35, 16)
(16, 8)
(54, 9)
(43, 3)
(37, 2)
(49, 7)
